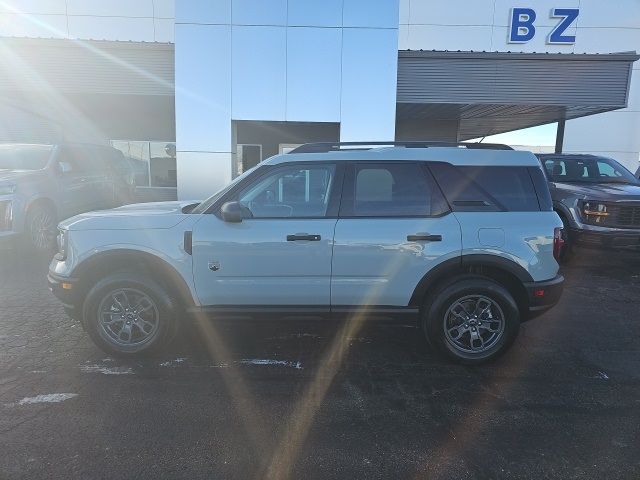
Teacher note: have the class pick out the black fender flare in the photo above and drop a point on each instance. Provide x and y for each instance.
(458, 264)
(166, 273)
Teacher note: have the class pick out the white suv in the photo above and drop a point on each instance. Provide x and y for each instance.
(460, 236)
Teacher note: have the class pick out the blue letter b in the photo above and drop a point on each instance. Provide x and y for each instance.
(522, 29)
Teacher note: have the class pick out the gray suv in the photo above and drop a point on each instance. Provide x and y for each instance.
(43, 184)
(597, 199)
(460, 238)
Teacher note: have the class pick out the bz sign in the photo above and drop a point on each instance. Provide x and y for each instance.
(522, 25)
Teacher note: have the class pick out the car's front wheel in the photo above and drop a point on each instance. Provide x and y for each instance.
(471, 320)
(41, 225)
(126, 315)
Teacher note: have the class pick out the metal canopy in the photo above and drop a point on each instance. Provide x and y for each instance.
(86, 66)
(494, 92)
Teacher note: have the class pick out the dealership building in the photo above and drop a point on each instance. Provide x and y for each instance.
(196, 91)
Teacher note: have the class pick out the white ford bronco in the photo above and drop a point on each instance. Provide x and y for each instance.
(461, 237)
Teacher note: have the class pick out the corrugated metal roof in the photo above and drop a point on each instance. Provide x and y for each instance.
(494, 92)
(87, 66)
(615, 56)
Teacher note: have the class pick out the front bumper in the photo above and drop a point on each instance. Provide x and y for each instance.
(544, 295)
(64, 289)
(606, 240)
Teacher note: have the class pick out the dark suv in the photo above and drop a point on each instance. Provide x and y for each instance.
(597, 199)
(43, 184)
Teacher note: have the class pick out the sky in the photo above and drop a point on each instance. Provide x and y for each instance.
(544, 135)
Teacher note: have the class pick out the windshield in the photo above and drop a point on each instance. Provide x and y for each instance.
(24, 157)
(204, 206)
(587, 170)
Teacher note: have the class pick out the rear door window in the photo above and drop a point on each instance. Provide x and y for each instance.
(398, 189)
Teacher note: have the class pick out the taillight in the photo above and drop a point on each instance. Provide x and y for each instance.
(558, 243)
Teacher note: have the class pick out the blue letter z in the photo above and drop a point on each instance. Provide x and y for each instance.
(568, 16)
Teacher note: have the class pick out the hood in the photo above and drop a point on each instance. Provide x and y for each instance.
(602, 191)
(153, 208)
(13, 176)
(130, 217)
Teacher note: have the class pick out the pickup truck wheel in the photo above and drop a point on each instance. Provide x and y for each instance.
(41, 228)
(471, 320)
(126, 315)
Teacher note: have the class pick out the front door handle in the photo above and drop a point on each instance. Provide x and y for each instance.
(424, 238)
(303, 236)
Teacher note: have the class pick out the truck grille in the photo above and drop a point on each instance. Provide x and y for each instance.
(624, 216)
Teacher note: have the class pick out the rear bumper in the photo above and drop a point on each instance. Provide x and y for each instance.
(603, 240)
(544, 295)
(64, 289)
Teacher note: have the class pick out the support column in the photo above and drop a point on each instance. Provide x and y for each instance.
(204, 138)
(560, 136)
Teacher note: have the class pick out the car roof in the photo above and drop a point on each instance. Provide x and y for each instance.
(569, 155)
(452, 155)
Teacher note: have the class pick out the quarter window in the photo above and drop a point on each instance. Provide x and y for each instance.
(487, 189)
(512, 187)
(392, 190)
(290, 192)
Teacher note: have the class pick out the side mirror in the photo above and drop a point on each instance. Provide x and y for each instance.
(232, 212)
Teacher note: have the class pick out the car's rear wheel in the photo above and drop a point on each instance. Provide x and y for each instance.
(41, 224)
(471, 320)
(126, 314)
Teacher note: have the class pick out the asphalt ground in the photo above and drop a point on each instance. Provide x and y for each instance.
(301, 399)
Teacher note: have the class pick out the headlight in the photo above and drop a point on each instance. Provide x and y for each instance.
(595, 212)
(62, 240)
(7, 189)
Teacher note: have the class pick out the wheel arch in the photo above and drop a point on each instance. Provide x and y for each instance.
(564, 213)
(502, 270)
(97, 266)
(37, 201)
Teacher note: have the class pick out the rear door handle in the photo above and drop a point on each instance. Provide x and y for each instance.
(303, 236)
(424, 238)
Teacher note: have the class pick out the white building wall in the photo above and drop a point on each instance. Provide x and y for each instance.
(303, 60)
(602, 27)
(278, 60)
(125, 20)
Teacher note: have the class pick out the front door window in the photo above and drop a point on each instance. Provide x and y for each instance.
(290, 192)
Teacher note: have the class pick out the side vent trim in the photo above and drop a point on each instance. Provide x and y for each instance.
(188, 242)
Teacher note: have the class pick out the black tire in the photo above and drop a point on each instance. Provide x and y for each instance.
(41, 228)
(437, 312)
(164, 307)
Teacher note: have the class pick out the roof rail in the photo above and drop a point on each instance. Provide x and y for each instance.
(322, 147)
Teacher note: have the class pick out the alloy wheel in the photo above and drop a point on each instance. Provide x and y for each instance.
(42, 229)
(473, 324)
(127, 318)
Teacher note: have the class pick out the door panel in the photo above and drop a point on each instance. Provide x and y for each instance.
(394, 227)
(375, 264)
(76, 183)
(280, 253)
(252, 263)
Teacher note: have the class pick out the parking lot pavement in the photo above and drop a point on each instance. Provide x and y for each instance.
(323, 400)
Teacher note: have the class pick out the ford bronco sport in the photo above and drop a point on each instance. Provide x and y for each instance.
(460, 236)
